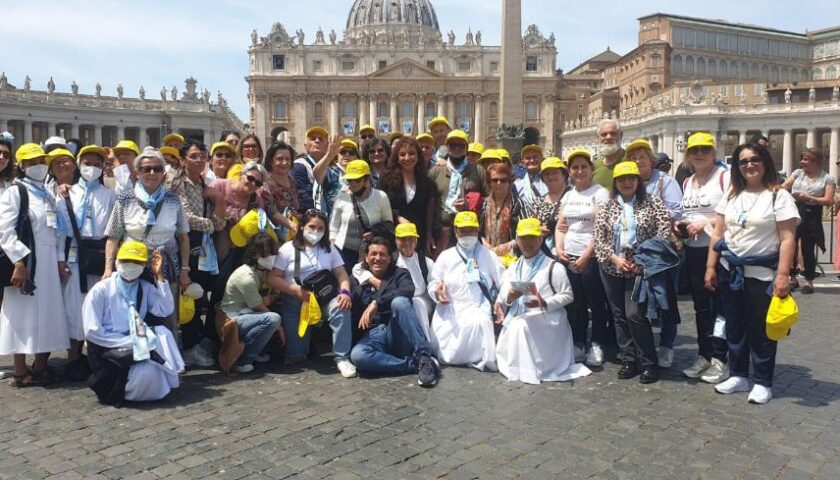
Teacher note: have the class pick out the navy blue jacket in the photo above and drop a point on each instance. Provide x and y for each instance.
(397, 284)
(657, 286)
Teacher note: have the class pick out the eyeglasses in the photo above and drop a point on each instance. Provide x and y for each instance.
(197, 156)
(314, 212)
(704, 150)
(347, 152)
(249, 146)
(152, 169)
(749, 161)
(499, 180)
(367, 137)
(254, 180)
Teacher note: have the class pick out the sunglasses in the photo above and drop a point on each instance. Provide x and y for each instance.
(314, 212)
(749, 161)
(455, 145)
(367, 137)
(704, 150)
(249, 146)
(499, 180)
(347, 152)
(254, 180)
(197, 156)
(224, 155)
(153, 169)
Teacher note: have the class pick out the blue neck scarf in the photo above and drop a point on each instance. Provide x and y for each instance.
(454, 185)
(534, 265)
(143, 338)
(41, 192)
(149, 201)
(81, 213)
(624, 230)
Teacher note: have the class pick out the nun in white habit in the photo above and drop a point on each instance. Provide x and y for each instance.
(131, 360)
(536, 341)
(462, 284)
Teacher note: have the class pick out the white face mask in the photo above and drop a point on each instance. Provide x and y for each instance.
(467, 243)
(130, 271)
(90, 173)
(267, 262)
(313, 237)
(37, 172)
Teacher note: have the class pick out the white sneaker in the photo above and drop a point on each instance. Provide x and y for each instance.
(666, 357)
(716, 373)
(760, 394)
(595, 357)
(264, 358)
(734, 384)
(579, 354)
(247, 368)
(347, 369)
(196, 356)
(700, 366)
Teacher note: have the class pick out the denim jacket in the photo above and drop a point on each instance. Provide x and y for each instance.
(657, 286)
(737, 263)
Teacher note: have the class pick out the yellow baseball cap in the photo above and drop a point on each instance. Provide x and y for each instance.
(247, 227)
(531, 148)
(95, 149)
(134, 251)
(127, 145)
(466, 219)
(439, 121)
(356, 170)
(58, 153)
(782, 314)
(367, 128)
(490, 154)
(173, 136)
(637, 144)
(350, 143)
(504, 154)
(29, 151)
(170, 151)
(700, 139)
(476, 147)
(222, 145)
(394, 135)
(552, 162)
(578, 152)
(528, 227)
(457, 134)
(405, 230)
(317, 131)
(625, 168)
(425, 137)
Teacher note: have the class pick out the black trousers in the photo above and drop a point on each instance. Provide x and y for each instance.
(707, 305)
(633, 331)
(193, 332)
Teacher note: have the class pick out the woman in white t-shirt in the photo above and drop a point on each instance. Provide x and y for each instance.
(702, 192)
(575, 246)
(812, 188)
(311, 247)
(757, 222)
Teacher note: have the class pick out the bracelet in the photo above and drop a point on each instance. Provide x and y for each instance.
(344, 291)
(185, 269)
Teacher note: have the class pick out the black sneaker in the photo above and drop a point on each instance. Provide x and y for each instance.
(428, 371)
(627, 370)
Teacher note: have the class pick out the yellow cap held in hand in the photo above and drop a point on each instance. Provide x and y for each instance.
(465, 220)
(405, 230)
(528, 227)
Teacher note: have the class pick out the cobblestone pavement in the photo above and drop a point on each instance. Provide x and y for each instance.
(310, 423)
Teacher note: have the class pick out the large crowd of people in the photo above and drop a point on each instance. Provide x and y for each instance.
(416, 252)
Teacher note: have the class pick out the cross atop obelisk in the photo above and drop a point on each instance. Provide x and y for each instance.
(511, 81)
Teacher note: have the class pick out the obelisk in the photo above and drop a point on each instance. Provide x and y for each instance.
(511, 80)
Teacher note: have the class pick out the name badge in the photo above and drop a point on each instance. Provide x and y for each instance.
(73, 255)
(472, 272)
(52, 220)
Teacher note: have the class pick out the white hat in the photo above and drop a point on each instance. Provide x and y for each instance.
(55, 140)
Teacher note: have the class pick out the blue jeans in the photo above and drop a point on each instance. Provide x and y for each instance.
(297, 349)
(255, 329)
(588, 291)
(393, 348)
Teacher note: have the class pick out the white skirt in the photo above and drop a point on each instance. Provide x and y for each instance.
(465, 340)
(35, 324)
(149, 380)
(537, 347)
(73, 299)
(423, 308)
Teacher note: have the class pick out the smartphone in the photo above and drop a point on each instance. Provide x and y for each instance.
(28, 287)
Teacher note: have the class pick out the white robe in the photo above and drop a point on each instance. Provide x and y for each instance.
(105, 315)
(536, 345)
(32, 324)
(462, 330)
(101, 203)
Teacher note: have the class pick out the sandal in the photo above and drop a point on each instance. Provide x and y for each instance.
(25, 380)
(46, 375)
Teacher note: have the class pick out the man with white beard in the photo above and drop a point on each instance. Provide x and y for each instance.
(609, 152)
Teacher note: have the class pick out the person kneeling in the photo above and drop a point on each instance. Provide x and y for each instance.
(394, 342)
(244, 303)
(130, 359)
(536, 341)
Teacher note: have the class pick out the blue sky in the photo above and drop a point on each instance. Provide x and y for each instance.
(158, 43)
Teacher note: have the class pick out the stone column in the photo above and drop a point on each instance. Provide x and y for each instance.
(208, 137)
(372, 108)
(678, 155)
(51, 130)
(301, 119)
(452, 113)
(420, 127)
(811, 139)
(787, 151)
(394, 117)
(654, 143)
(668, 144)
(4, 125)
(97, 135)
(74, 130)
(27, 131)
(742, 137)
(441, 105)
(334, 124)
(363, 112)
(834, 151)
(510, 87)
(478, 122)
(121, 134)
(548, 123)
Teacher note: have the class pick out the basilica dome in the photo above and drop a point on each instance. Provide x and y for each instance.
(386, 21)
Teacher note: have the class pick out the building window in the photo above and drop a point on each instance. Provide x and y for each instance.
(818, 74)
(348, 109)
(711, 68)
(348, 65)
(431, 109)
(677, 36)
(739, 90)
(494, 67)
(319, 110)
(700, 67)
(724, 90)
(382, 109)
(280, 109)
(430, 64)
(830, 74)
(700, 39)
(383, 64)
(464, 65)
(689, 65)
(531, 110)
(317, 66)
(677, 65)
(279, 62)
(531, 64)
(463, 109)
(406, 109)
(764, 46)
(494, 110)
(655, 61)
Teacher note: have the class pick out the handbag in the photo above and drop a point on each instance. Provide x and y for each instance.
(25, 235)
(91, 252)
(382, 229)
(322, 283)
